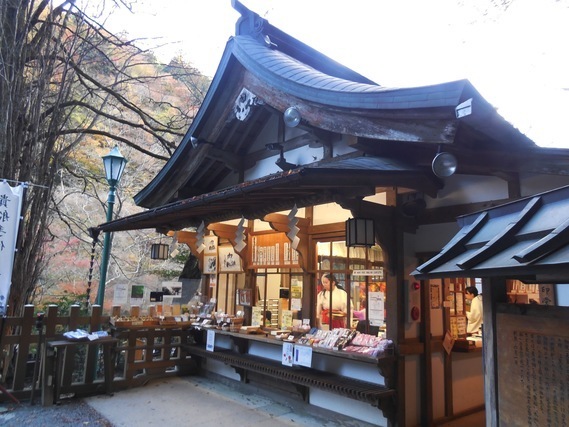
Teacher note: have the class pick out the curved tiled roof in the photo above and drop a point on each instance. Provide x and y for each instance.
(278, 61)
(303, 81)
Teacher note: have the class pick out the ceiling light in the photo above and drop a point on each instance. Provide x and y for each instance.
(444, 164)
(292, 117)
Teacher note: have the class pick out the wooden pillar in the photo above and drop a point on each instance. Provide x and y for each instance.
(494, 291)
(426, 364)
(392, 243)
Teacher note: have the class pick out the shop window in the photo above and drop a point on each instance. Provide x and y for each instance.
(368, 282)
(279, 298)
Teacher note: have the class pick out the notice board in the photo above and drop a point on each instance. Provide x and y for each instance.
(533, 366)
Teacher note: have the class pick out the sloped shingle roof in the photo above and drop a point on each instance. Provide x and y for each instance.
(527, 239)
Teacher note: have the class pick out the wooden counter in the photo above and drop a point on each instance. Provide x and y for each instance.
(385, 362)
(268, 338)
(258, 357)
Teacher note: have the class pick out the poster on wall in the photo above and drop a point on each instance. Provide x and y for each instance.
(461, 325)
(136, 295)
(453, 328)
(210, 341)
(376, 308)
(547, 294)
(295, 304)
(210, 245)
(272, 250)
(435, 295)
(120, 294)
(229, 260)
(210, 264)
(173, 289)
(302, 355)
(459, 300)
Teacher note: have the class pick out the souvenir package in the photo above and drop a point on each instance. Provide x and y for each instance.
(369, 345)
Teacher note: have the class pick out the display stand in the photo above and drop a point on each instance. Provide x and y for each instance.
(55, 352)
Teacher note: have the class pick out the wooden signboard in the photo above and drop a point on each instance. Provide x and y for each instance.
(533, 367)
(456, 302)
(272, 250)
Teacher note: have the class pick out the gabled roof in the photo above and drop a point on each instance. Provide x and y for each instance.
(282, 71)
(527, 240)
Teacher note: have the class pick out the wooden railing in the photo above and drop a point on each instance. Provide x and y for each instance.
(141, 353)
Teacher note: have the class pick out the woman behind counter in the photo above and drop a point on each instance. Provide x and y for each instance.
(339, 299)
(474, 315)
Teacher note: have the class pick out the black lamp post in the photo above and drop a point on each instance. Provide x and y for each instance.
(114, 164)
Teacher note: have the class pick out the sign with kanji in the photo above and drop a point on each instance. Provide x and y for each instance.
(10, 213)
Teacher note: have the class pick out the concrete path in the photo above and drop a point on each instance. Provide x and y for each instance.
(203, 402)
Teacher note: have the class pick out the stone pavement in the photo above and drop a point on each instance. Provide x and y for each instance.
(204, 402)
(177, 401)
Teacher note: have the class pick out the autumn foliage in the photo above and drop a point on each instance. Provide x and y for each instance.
(69, 92)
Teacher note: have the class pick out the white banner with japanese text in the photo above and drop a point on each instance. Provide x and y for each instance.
(11, 199)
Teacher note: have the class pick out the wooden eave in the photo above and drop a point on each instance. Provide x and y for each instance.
(333, 181)
(527, 240)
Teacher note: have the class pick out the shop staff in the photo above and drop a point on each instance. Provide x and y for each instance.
(474, 316)
(334, 297)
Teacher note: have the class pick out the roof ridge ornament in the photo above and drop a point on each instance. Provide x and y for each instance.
(250, 23)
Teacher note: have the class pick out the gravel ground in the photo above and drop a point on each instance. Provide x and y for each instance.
(70, 412)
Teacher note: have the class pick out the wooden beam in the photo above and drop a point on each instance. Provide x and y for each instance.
(190, 238)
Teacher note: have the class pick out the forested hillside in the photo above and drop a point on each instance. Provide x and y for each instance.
(69, 92)
(172, 94)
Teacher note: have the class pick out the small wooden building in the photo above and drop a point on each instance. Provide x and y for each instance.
(526, 345)
(287, 146)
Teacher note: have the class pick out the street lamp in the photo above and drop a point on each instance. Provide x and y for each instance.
(114, 164)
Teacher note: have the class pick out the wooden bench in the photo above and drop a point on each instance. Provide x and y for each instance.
(380, 396)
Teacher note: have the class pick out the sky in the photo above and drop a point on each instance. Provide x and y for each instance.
(516, 58)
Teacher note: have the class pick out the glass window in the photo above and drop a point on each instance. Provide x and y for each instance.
(340, 261)
(279, 296)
